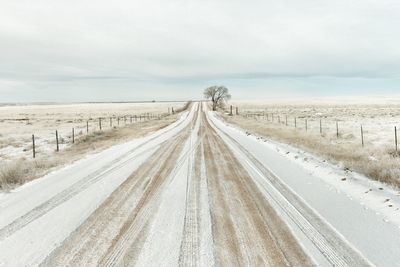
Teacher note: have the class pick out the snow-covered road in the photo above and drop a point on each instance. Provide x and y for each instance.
(199, 192)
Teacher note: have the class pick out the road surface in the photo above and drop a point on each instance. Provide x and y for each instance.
(193, 194)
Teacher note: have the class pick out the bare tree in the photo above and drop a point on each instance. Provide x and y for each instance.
(218, 95)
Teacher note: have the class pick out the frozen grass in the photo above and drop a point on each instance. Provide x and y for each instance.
(18, 123)
(24, 169)
(18, 172)
(377, 159)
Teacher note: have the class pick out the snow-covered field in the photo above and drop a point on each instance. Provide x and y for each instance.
(366, 213)
(340, 121)
(377, 116)
(19, 122)
(79, 188)
(201, 192)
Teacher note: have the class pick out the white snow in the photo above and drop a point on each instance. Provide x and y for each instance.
(168, 224)
(364, 219)
(30, 244)
(19, 122)
(167, 227)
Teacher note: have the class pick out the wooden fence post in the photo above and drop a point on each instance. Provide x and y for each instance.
(110, 122)
(272, 115)
(395, 137)
(131, 119)
(362, 136)
(295, 122)
(286, 120)
(118, 121)
(100, 123)
(58, 148)
(306, 126)
(33, 146)
(231, 114)
(87, 127)
(125, 120)
(173, 111)
(320, 126)
(237, 111)
(337, 129)
(73, 135)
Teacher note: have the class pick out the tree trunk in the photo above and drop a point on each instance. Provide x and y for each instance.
(214, 106)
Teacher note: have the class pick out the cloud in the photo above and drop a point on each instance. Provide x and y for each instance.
(78, 45)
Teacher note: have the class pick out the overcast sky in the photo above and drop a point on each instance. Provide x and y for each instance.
(80, 50)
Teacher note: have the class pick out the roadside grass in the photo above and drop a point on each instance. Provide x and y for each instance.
(377, 162)
(16, 173)
(19, 122)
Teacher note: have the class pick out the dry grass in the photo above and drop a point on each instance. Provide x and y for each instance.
(377, 162)
(19, 122)
(15, 173)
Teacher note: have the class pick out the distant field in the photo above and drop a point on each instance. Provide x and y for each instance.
(378, 120)
(19, 122)
(341, 144)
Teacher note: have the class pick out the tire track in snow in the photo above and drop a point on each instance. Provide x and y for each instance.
(196, 244)
(333, 246)
(231, 249)
(189, 251)
(190, 245)
(78, 187)
(144, 210)
(246, 228)
(122, 217)
(114, 256)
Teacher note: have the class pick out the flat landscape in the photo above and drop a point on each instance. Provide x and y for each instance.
(356, 133)
(199, 133)
(18, 123)
(78, 133)
(200, 191)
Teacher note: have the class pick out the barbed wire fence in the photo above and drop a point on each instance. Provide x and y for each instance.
(100, 124)
(325, 127)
